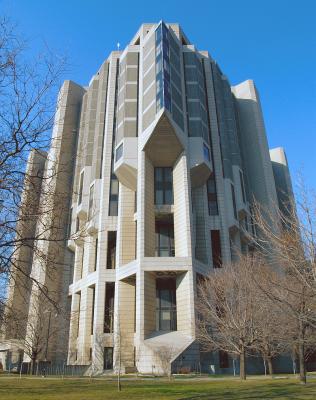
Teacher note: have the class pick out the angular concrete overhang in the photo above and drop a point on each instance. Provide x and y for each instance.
(12, 345)
(86, 281)
(166, 264)
(71, 244)
(175, 340)
(94, 211)
(163, 143)
(125, 167)
(82, 208)
(159, 265)
(200, 161)
(230, 217)
(127, 270)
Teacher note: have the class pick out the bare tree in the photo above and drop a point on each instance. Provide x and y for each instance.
(291, 304)
(38, 332)
(119, 346)
(273, 325)
(226, 311)
(28, 90)
(35, 194)
(291, 248)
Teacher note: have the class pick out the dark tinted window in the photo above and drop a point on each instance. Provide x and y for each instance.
(163, 185)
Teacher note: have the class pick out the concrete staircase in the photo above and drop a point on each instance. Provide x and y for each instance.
(162, 348)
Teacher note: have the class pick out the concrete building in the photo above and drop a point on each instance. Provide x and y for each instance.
(164, 159)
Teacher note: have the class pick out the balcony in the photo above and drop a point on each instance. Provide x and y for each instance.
(125, 167)
(200, 161)
(83, 195)
(94, 207)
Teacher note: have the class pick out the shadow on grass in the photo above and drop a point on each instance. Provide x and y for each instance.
(37, 389)
(292, 391)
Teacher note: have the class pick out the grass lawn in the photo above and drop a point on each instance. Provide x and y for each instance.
(83, 389)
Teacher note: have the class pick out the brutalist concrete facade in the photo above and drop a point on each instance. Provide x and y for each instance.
(167, 160)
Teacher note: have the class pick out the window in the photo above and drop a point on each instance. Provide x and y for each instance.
(91, 201)
(119, 152)
(192, 92)
(135, 240)
(78, 295)
(198, 125)
(206, 152)
(177, 116)
(82, 262)
(114, 184)
(165, 238)
(71, 263)
(195, 128)
(190, 74)
(95, 254)
(69, 223)
(163, 98)
(104, 128)
(223, 359)
(108, 358)
(90, 354)
(109, 307)
(163, 186)
(111, 252)
(166, 308)
(212, 195)
(114, 193)
(234, 200)
(80, 187)
(216, 249)
(159, 101)
(242, 184)
(194, 109)
(92, 289)
(189, 58)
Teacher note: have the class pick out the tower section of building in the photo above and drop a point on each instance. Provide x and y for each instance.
(169, 201)
(167, 162)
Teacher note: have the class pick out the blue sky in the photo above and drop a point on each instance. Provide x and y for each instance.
(270, 41)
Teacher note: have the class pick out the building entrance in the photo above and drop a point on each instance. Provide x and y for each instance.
(166, 307)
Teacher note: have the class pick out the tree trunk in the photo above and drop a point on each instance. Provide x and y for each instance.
(119, 388)
(242, 365)
(270, 366)
(33, 361)
(301, 352)
(301, 356)
(265, 366)
(169, 375)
